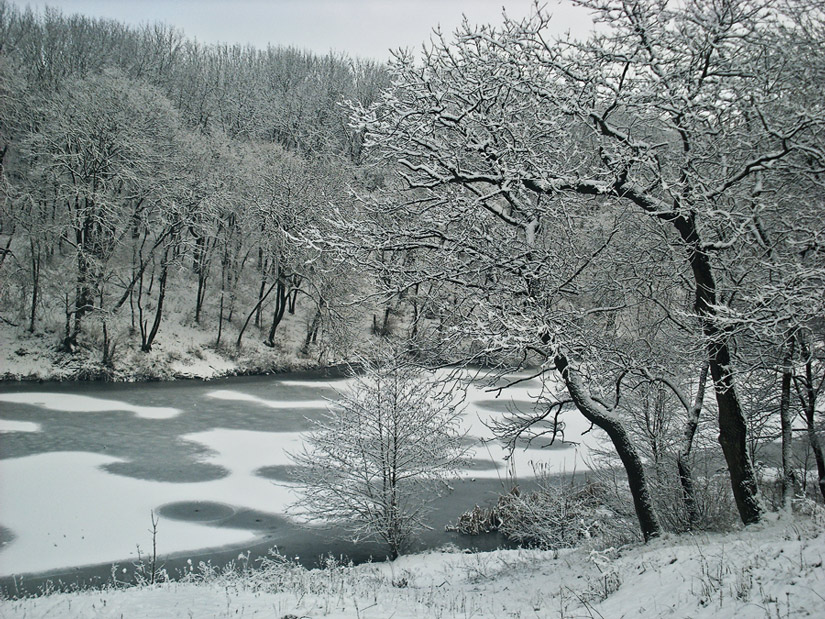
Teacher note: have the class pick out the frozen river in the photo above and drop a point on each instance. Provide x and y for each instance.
(83, 465)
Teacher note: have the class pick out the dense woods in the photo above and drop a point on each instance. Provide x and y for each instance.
(137, 163)
(636, 218)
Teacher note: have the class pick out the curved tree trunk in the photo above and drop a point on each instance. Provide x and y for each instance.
(278, 312)
(607, 421)
(149, 338)
(256, 311)
(732, 426)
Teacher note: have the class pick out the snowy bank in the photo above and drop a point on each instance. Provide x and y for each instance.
(773, 569)
(185, 352)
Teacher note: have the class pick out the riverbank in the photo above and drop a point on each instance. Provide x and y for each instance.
(773, 569)
(184, 352)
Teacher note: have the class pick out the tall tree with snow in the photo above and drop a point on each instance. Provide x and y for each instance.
(524, 165)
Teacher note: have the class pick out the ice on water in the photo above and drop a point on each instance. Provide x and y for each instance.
(65, 509)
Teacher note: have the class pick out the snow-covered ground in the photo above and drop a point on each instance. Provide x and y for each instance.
(770, 570)
(182, 351)
(65, 510)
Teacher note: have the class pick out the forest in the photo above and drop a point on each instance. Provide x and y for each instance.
(137, 163)
(637, 218)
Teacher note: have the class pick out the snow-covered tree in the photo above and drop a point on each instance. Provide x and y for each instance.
(99, 158)
(385, 451)
(549, 179)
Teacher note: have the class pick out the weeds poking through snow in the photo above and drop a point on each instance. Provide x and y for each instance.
(147, 571)
(773, 572)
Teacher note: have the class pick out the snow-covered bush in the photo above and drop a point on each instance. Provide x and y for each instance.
(554, 515)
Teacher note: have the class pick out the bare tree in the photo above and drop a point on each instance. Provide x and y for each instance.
(385, 451)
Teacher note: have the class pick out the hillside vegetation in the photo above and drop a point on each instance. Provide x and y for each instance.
(154, 192)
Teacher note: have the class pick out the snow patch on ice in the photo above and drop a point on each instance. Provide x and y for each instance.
(244, 451)
(10, 425)
(71, 403)
(66, 511)
(239, 396)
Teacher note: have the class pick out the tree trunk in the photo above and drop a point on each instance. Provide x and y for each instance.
(732, 426)
(200, 295)
(278, 313)
(200, 267)
(807, 395)
(685, 448)
(262, 294)
(67, 345)
(293, 296)
(385, 325)
(83, 302)
(413, 333)
(604, 419)
(6, 250)
(256, 311)
(141, 322)
(81, 306)
(35, 264)
(312, 331)
(107, 359)
(164, 272)
(220, 307)
(786, 424)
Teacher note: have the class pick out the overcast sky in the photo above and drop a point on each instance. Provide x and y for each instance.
(367, 28)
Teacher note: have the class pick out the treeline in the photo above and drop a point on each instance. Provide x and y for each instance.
(136, 162)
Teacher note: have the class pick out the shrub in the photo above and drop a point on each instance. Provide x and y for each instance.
(383, 453)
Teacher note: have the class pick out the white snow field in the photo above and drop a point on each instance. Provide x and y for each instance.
(64, 510)
(240, 396)
(770, 570)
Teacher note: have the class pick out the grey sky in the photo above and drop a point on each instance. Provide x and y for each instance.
(367, 28)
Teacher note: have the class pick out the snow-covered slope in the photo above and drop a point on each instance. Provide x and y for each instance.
(770, 570)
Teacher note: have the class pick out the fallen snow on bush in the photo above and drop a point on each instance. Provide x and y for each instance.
(770, 570)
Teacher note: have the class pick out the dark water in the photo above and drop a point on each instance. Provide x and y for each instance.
(154, 450)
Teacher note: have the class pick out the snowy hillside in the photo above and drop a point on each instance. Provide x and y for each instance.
(772, 570)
